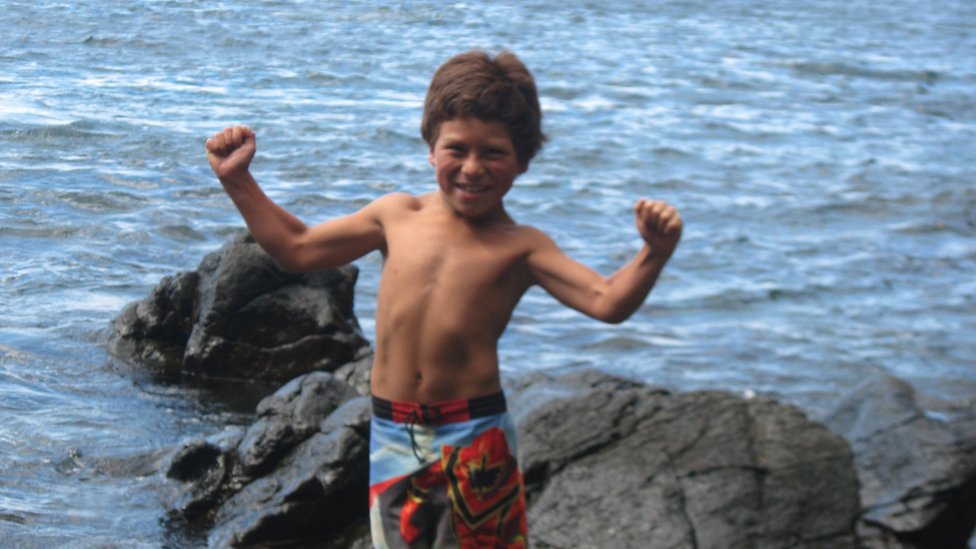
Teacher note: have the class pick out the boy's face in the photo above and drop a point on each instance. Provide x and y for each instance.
(475, 165)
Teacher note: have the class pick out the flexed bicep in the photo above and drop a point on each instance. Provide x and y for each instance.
(610, 299)
(341, 240)
(572, 283)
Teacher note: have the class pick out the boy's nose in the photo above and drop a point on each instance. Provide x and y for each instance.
(473, 166)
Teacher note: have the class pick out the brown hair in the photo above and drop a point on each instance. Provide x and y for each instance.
(473, 84)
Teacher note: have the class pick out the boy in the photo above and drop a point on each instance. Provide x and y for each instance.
(442, 446)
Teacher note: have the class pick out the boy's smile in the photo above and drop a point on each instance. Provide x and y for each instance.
(475, 165)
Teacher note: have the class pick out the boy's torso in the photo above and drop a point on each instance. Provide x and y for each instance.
(447, 292)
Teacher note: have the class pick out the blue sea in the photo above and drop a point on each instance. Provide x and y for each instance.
(822, 154)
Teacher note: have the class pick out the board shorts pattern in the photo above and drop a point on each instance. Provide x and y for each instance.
(445, 475)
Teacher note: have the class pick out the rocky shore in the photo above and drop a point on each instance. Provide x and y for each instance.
(608, 462)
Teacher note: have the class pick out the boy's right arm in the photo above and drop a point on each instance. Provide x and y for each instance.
(291, 243)
(613, 298)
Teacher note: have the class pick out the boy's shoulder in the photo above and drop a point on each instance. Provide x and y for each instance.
(393, 204)
(525, 238)
(398, 200)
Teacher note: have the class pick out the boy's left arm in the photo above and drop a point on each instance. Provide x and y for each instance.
(614, 298)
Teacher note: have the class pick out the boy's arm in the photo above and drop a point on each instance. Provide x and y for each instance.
(291, 243)
(614, 298)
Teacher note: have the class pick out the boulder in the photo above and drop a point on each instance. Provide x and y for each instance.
(299, 472)
(239, 315)
(918, 473)
(612, 463)
(314, 493)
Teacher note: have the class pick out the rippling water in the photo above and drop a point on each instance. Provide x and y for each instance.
(822, 155)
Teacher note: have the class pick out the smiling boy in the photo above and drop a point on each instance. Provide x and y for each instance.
(455, 265)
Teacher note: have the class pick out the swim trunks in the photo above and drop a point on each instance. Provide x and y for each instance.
(445, 475)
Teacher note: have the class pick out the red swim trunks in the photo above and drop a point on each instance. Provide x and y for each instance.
(445, 475)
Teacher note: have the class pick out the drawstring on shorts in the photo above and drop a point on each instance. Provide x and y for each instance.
(426, 416)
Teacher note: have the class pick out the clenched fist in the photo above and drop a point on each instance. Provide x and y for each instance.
(659, 224)
(230, 151)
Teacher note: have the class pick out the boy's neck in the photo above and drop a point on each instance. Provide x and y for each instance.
(495, 216)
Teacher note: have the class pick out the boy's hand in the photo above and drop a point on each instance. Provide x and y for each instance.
(230, 151)
(659, 225)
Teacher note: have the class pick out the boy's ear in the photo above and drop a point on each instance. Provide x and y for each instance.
(430, 157)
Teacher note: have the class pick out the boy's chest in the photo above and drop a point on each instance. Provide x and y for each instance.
(429, 254)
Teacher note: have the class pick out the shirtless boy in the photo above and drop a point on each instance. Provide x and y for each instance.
(442, 447)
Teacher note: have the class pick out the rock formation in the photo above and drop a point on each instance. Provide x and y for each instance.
(608, 463)
(612, 463)
(297, 475)
(918, 473)
(238, 315)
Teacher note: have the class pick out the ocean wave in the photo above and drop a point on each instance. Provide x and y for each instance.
(837, 68)
(58, 129)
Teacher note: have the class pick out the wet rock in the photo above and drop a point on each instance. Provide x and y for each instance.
(301, 469)
(289, 416)
(918, 474)
(610, 463)
(240, 316)
(154, 331)
(357, 372)
(315, 492)
(203, 469)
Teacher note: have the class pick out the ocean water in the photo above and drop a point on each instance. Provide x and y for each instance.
(822, 155)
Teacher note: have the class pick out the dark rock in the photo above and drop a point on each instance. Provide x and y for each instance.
(357, 372)
(291, 415)
(319, 489)
(204, 469)
(155, 330)
(240, 316)
(918, 474)
(610, 463)
(301, 469)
